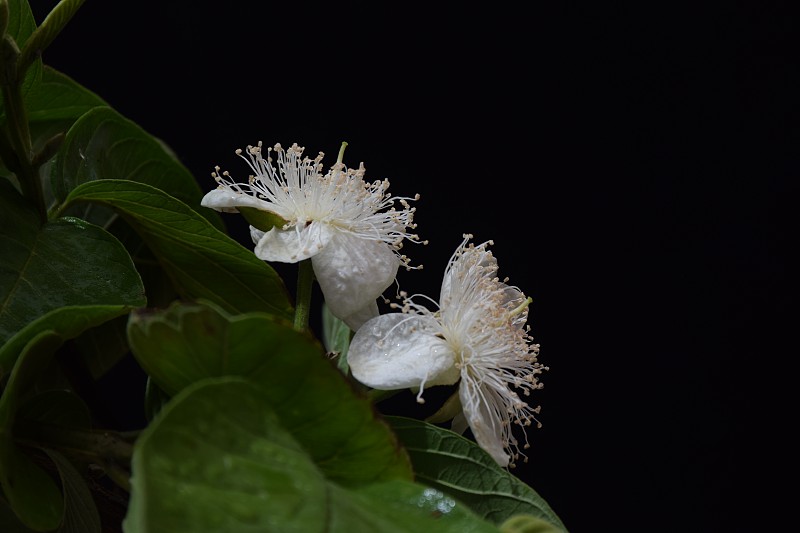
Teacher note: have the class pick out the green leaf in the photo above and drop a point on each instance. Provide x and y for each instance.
(53, 104)
(202, 261)
(102, 144)
(102, 347)
(80, 511)
(67, 322)
(52, 25)
(527, 524)
(459, 467)
(64, 262)
(402, 507)
(21, 23)
(57, 97)
(218, 458)
(187, 343)
(157, 283)
(31, 492)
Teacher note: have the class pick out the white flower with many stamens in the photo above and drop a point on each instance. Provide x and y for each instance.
(350, 229)
(478, 335)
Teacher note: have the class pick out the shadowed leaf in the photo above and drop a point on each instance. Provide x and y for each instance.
(202, 261)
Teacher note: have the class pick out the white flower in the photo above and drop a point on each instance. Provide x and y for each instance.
(351, 230)
(478, 336)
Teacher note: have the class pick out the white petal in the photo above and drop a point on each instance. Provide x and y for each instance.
(293, 244)
(227, 201)
(399, 351)
(485, 427)
(256, 234)
(353, 272)
(357, 319)
(459, 423)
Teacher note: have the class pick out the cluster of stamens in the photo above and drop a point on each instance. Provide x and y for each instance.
(298, 191)
(484, 320)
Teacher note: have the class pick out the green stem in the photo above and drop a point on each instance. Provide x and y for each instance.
(17, 134)
(117, 474)
(305, 282)
(18, 118)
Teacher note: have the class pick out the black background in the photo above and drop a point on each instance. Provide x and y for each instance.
(635, 166)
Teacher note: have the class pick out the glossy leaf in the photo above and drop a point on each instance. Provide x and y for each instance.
(202, 261)
(459, 467)
(218, 458)
(102, 144)
(190, 342)
(64, 262)
(58, 97)
(403, 507)
(54, 103)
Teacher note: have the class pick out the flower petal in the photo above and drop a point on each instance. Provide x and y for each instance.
(399, 351)
(227, 201)
(486, 427)
(293, 244)
(459, 423)
(357, 319)
(353, 272)
(256, 234)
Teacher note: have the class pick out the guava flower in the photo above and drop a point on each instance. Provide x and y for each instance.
(350, 229)
(477, 338)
